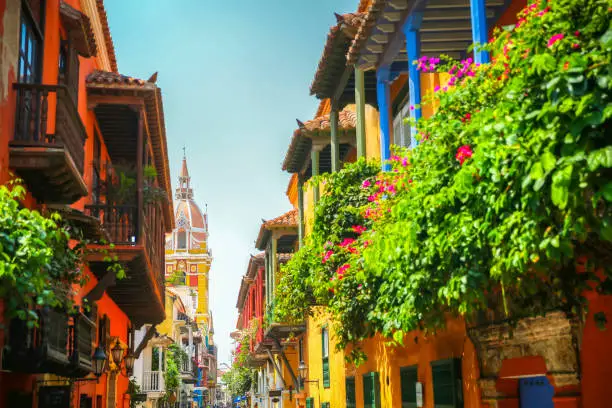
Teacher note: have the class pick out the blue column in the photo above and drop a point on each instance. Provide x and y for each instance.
(383, 95)
(479, 29)
(413, 49)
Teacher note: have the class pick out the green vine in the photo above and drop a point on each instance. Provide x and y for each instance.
(172, 376)
(505, 204)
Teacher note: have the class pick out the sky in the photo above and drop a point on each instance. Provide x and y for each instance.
(235, 75)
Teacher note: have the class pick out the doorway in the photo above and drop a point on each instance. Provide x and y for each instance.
(536, 392)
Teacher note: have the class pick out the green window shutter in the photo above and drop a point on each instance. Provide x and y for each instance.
(325, 405)
(350, 392)
(408, 380)
(325, 354)
(447, 383)
(309, 402)
(371, 390)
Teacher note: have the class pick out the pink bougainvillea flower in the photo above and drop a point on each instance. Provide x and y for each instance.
(463, 153)
(405, 161)
(327, 255)
(577, 33)
(575, 46)
(359, 286)
(353, 250)
(366, 184)
(467, 117)
(346, 242)
(546, 10)
(367, 243)
(342, 270)
(437, 88)
(358, 229)
(555, 38)
(371, 198)
(395, 158)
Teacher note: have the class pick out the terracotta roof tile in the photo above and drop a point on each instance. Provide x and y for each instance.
(288, 219)
(79, 28)
(347, 120)
(345, 30)
(113, 78)
(110, 47)
(364, 31)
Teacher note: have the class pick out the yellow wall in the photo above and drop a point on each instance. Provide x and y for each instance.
(335, 394)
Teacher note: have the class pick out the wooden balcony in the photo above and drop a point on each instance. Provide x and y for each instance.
(43, 349)
(137, 237)
(83, 332)
(47, 150)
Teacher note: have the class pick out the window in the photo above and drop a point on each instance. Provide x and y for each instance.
(310, 403)
(371, 390)
(181, 239)
(408, 380)
(155, 363)
(325, 405)
(447, 384)
(401, 128)
(350, 392)
(30, 43)
(325, 354)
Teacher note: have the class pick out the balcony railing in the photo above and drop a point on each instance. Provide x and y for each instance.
(32, 121)
(81, 347)
(47, 148)
(119, 221)
(153, 381)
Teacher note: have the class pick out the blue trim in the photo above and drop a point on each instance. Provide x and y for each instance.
(383, 95)
(480, 34)
(413, 49)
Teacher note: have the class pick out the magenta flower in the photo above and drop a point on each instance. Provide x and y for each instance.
(405, 161)
(463, 153)
(366, 184)
(327, 255)
(555, 38)
(346, 242)
(358, 229)
(342, 270)
(437, 88)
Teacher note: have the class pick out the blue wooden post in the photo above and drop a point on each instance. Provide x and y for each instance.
(383, 95)
(413, 49)
(479, 29)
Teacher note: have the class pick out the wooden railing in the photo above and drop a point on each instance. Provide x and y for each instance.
(119, 221)
(154, 240)
(32, 120)
(81, 345)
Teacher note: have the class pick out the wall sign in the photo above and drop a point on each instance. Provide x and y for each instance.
(419, 394)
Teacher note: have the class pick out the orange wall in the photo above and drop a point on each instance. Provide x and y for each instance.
(9, 47)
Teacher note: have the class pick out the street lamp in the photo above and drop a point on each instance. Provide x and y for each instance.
(303, 374)
(99, 361)
(127, 360)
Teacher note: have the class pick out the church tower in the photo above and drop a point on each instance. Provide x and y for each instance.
(188, 257)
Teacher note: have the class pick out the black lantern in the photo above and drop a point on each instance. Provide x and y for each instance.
(117, 353)
(99, 361)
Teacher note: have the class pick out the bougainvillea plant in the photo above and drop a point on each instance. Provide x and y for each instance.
(507, 196)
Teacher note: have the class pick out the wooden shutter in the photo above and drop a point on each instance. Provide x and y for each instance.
(350, 392)
(325, 354)
(371, 390)
(408, 380)
(309, 402)
(325, 405)
(447, 383)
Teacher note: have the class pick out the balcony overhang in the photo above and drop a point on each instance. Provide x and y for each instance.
(116, 100)
(445, 29)
(79, 30)
(284, 331)
(47, 150)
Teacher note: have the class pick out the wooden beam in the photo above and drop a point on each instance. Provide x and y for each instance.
(380, 38)
(439, 37)
(95, 294)
(398, 4)
(294, 379)
(375, 48)
(276, 367)
(445, 26)
(95, 100)
(392, 16)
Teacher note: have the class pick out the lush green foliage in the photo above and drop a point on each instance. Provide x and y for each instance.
(240, 377)
(508, 196)
(41, 257)
(175, 356)
(38, 261)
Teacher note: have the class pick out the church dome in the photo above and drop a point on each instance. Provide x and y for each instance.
(191, 230)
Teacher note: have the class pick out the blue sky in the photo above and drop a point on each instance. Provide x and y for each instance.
(235, 74)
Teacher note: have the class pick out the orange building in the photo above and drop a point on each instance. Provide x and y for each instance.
(89, 143)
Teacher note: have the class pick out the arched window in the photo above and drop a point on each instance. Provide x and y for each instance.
(181, 239)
